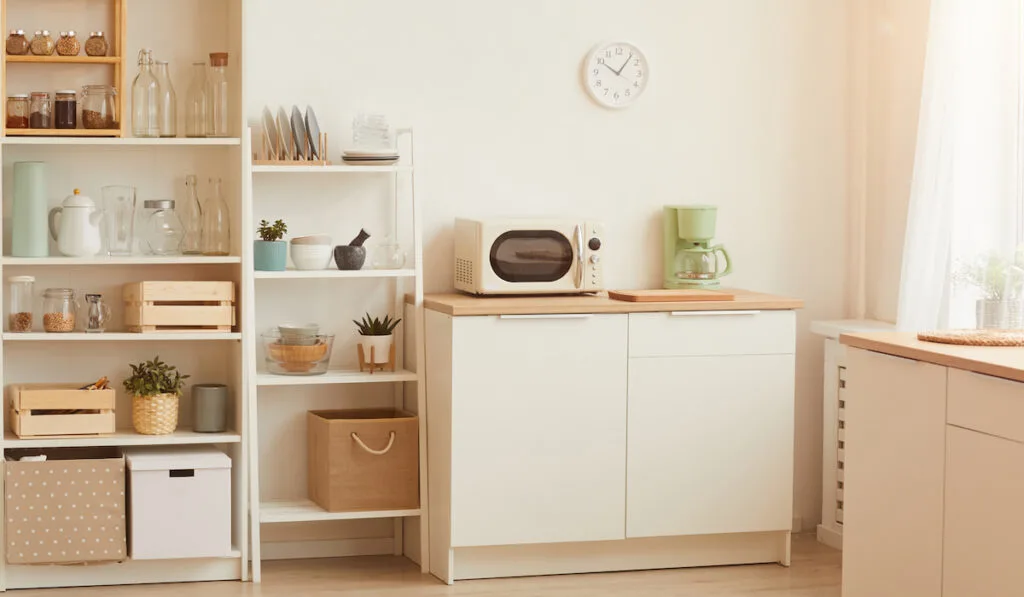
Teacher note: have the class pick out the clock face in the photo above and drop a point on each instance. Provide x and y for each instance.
(616, 74)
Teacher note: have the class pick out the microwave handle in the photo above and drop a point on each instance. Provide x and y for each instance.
(577, 235)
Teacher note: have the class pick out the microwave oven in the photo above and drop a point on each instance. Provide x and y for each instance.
(528, 256)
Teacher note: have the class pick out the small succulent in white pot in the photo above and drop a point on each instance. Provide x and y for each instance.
(377, 334)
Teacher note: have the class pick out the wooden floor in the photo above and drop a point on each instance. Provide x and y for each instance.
(815, 573)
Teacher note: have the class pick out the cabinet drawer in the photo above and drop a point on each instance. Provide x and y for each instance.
(711, 333)
(987, 404)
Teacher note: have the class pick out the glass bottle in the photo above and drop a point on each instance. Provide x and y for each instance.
(216, 222)
(19, 318)
(192, 218)
(168, 100)
(163, 227)
(145, 99)
(217, 96)
(196, 103)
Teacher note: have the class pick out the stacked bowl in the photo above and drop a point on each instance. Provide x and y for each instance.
(312, 252)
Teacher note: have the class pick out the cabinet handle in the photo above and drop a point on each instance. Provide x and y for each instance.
(549, 316)
(702, 313)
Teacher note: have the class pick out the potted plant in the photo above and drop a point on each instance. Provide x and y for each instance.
(155, 387)
(376, 334)
(999, 280)
(270, 254)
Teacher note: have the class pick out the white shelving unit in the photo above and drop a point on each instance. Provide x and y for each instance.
(121, 337)
(124, 141)
(331, 298)
(123, 437)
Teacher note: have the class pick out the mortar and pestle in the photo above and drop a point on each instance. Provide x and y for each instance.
(353, 255)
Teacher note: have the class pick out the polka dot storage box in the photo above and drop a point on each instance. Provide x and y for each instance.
(69, 509)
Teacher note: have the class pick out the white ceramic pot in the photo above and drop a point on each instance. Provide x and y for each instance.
(381, 348)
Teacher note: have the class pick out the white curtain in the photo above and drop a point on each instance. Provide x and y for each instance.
(965, 218)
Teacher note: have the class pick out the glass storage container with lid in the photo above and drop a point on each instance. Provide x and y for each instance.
(99, 107)
(19, 318)
(17, 111)
(17, 43)
(42, 44)
(68, 44)
(97, 44)
(40, 111)
(66, 109)
(163, 230)
(59, 308)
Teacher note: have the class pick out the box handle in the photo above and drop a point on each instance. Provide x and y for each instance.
(391, 442)
(703, 313)
(181, 472)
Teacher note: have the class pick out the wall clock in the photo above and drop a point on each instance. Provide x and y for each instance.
(616, 74)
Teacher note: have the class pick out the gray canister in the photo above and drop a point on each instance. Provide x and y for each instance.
(29, 231)
(209, 407)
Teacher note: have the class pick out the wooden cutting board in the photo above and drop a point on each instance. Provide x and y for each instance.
(669, 296)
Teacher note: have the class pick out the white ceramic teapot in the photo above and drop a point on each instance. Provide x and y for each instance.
(79, 221)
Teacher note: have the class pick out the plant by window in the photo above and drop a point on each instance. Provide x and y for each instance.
(372, 326)
(999, 277)
(272, 232)
(155, 377)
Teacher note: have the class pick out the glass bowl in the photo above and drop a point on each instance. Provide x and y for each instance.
(294, 359)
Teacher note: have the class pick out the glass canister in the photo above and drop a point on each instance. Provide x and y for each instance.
(66, 109)
(42, 44)
(163, 230)
(99, 107)
(40, 111)
(59, 308)
(20, 298)
(97, 44)
(17, 111)
(217, 96)
(97, 314)
(68, 44)
(17, 43)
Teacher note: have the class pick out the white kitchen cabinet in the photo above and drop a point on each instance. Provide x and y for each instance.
(538, 429)
(710, 446)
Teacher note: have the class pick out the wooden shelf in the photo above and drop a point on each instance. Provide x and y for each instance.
(129, 260)
(121, 337)
(305, 511)
(293, 274)
(340, 169)
(334, 377)
(118, 141)
(61, 132)
(57, 59)
(122, 437)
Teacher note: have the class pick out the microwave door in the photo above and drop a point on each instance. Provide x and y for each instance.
(533, 256)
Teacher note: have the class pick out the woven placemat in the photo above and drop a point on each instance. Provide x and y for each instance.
(975, 337)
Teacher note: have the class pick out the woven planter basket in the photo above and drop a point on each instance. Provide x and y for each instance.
(155, 415)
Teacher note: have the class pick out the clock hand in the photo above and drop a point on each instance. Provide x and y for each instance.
(608, 67)
(624, 64)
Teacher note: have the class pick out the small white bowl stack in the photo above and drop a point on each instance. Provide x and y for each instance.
(312, 252)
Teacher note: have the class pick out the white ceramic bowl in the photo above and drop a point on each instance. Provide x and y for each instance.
(312, 239)
(311, 257)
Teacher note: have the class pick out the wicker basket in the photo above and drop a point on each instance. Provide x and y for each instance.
(155, 415)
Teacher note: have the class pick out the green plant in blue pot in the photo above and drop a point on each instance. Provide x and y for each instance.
(270, 254)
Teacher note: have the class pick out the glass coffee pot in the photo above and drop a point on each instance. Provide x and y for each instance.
(701, 263)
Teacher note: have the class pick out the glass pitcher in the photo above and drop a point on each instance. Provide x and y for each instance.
(701, 263)
(97, 314)
(99, 107)
(119, 219)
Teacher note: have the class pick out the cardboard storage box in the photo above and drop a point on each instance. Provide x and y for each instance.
(68, 509)
(50, 409)
(179, 503)
(363, 459)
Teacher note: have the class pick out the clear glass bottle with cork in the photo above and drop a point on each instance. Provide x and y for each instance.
(217, 94)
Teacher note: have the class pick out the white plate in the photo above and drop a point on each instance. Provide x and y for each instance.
(369, 153)
(371, 162)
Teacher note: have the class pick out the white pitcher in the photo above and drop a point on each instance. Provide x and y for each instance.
(79, 222)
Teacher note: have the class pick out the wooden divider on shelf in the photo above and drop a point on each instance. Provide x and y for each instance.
(265, 155)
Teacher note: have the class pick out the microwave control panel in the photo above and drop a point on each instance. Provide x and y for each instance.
(594, 276)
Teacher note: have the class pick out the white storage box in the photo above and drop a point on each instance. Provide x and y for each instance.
(179, 503)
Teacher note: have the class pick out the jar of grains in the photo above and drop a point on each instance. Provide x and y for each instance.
(99, 105)
(42, 43)
(41, 111)
(19, 318)
(96, 45)
(68, 44)
(17, 111)
(65, 109)
(59, 308)
(17, 43)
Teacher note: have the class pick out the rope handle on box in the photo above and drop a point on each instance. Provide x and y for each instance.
(391, 442)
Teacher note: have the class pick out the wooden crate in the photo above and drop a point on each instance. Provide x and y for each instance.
(179, 306)
(36, 410)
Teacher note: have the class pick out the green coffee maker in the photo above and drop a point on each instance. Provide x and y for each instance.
(691, 261)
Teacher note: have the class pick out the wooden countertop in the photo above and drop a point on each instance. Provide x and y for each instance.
(998, 361)
(464, 304)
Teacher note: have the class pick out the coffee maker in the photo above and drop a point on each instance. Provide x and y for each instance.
(690, 260)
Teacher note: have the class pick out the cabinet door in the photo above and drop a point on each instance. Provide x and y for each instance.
(710, 445)
(538, 429)
(984, 530)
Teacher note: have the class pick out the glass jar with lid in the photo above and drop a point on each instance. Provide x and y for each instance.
(68, 44)
(163, 231)
(19, 318)
(17, 111)
(17, 43)
(99, 104)
(65, 109)
(40, 111)
(59, 308)
(42, 44)
(97, 44)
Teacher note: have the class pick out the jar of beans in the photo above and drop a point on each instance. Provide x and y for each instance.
(96, 45)
(59, 308)
(65, 109)
(68, 44)
(17, 43)
(41, 111)
(19, 318)
(42, 43)
(17, 111)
